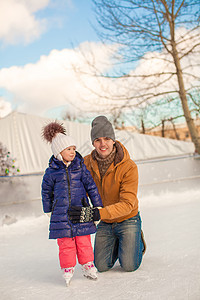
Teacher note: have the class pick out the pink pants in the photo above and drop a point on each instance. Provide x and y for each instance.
(79, 246)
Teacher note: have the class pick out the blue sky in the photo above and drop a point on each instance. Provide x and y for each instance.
(45, 46)
(68, 26)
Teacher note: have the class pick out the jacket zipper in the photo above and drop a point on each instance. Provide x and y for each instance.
(69, 192)
(68, 183)
(103, 180)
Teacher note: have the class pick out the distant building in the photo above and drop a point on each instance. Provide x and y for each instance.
(169, 130)
(174, 131)
(129, 128)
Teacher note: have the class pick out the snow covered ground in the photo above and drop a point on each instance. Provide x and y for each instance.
(29, 267)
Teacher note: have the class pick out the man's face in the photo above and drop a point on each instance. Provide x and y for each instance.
(103, 146)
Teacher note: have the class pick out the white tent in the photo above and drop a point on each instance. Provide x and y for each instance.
(21, 134)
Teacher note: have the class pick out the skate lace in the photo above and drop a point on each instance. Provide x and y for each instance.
(89, 267)
(68, 270)
(68, 273)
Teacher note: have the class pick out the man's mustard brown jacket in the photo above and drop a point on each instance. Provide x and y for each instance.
(118, 188)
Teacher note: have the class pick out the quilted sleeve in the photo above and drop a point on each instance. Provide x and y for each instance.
(47, 191)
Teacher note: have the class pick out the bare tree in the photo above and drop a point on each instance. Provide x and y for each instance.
(174, 128)
(164, 36)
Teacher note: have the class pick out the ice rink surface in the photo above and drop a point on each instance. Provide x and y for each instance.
(170, 268)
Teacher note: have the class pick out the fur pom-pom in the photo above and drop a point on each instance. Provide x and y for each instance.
(49, 131)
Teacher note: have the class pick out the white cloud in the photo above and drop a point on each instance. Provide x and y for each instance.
(18, 22)
(34, 5)
(52, 81)
(5, 107)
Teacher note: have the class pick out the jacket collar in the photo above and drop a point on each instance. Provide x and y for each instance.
(119, 156)
(56, 164)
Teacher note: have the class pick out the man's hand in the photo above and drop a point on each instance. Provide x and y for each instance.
(83, 214)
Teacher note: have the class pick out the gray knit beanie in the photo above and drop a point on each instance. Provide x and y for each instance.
(101, 127)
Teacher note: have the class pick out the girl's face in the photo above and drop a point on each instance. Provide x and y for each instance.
(103, 146)
(69, 153)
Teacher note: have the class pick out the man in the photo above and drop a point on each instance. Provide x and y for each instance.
(119, 234)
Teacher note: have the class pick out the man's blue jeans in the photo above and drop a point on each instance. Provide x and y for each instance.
(119, 241)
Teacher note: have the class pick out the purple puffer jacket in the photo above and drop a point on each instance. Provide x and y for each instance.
(63, 187)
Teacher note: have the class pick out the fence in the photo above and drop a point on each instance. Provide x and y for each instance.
(20, 194)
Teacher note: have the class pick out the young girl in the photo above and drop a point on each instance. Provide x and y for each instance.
(65, 183)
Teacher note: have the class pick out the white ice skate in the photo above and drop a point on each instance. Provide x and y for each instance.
(89, 271)
(68, 274)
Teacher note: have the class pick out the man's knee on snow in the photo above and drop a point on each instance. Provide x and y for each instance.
(129, 267)
(102, 267)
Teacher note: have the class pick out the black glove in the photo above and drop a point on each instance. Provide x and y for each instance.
(83, 214)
